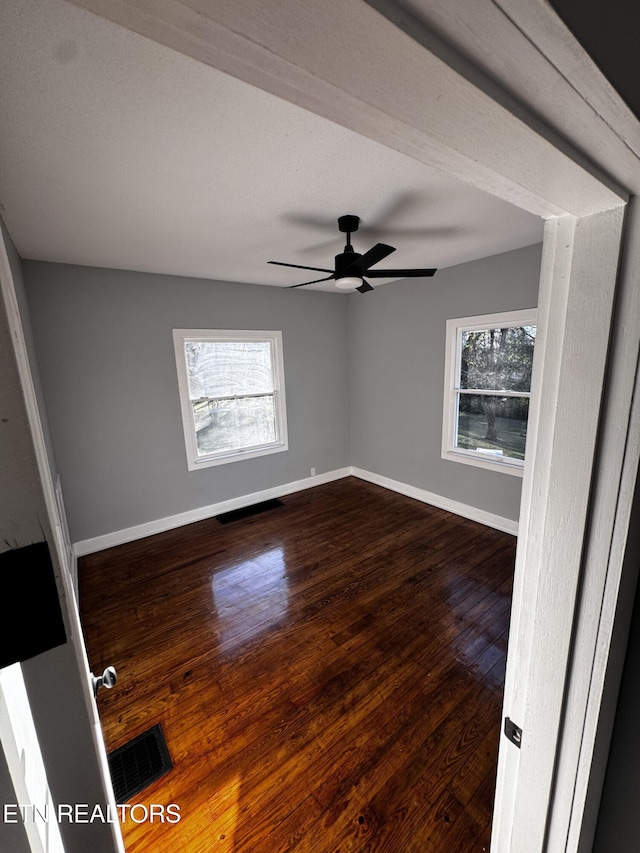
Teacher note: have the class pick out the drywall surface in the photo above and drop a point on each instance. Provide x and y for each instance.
(105, 347)
(396, 357)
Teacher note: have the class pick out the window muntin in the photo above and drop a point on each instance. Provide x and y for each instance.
(487, 388)
(232, 394)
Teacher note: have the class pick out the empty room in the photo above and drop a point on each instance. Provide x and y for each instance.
(296, 394)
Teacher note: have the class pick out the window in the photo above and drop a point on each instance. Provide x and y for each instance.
(487, 388)
(232, 394)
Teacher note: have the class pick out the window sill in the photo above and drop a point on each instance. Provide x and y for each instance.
(488, 461)
(234, 456)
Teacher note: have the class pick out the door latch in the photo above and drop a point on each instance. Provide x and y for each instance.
(107, 679)
(513, 732)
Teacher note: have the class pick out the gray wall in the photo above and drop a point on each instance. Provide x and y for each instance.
(396, 354)
(364, 379)
(108, 369)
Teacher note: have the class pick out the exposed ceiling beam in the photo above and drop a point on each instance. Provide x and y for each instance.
(358, 69)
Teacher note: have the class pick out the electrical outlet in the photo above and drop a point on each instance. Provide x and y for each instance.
(313, 472)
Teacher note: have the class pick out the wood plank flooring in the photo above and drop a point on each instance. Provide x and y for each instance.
(328, 674)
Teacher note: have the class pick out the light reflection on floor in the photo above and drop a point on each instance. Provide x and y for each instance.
(250, 597)
(477, 633)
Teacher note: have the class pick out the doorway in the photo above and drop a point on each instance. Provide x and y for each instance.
(581, 258)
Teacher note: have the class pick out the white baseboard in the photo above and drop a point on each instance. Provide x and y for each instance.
(139, 531)
(507, 525)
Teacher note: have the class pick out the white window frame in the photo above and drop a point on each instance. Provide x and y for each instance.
(196, 462)
(453, 354)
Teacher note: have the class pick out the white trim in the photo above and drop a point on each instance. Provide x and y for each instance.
(150, 528)
(455, 328)
(507, 525)
(594, 684)
(557, 526)
(59, 555)
(160, 525)
(497, 320)
(195, 461)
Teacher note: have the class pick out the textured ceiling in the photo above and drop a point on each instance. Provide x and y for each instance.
(116, 151)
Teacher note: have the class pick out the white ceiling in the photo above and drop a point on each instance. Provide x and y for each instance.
(116, 151)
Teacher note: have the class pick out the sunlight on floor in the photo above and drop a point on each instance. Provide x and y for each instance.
(250, 597)
(225, 807)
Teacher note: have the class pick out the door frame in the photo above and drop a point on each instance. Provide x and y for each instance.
(62, 559)
(363, 71)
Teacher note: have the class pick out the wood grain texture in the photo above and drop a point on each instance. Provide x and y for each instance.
(328, 674)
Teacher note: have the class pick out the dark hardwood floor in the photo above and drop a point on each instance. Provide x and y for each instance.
(328, 674)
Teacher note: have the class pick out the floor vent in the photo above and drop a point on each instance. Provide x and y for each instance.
(247, 511)
(139, 763)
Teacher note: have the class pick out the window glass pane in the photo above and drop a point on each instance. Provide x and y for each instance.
(498, 359)
(493, 426)
(234, 424)
(228, 368)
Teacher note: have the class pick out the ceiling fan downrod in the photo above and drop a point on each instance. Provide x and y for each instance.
(348, 224)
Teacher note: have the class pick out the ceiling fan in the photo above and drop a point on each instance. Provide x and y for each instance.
(351, 267)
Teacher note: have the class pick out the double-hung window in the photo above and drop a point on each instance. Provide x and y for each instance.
(488, 366)
(232, 394)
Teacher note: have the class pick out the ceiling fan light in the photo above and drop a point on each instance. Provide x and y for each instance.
(349, 282)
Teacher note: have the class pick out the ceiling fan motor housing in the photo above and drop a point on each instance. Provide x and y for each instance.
(344, 263)
(344, 269)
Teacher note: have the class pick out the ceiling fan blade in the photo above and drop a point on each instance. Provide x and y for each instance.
(319, 247)
(378, 253)
(299, 267)
(315, 281)
(427, 232)
(365, 287)
(400, 273)
(310, 220)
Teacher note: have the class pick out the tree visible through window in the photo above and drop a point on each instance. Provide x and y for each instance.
(232, 394)
(489, 363)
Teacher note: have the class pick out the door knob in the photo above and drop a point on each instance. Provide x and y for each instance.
(107, 679)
